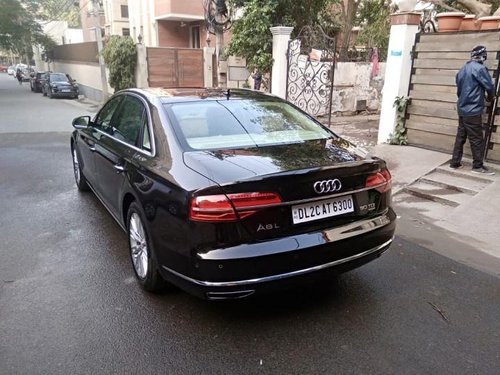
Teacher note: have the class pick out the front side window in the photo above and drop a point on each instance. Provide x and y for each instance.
(103, 119)
(244, 123)
(129, 120)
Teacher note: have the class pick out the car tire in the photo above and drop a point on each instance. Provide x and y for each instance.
(141, 252)
(81, 181)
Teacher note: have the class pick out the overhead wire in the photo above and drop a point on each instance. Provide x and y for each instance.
(64, 9)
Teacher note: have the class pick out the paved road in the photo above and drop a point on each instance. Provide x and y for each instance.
(69, 302)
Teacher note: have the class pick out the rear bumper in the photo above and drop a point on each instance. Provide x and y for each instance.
(240, 271)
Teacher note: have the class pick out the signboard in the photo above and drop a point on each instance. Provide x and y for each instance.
(237, 73)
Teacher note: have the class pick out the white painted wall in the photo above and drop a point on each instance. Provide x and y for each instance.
(142, 21)
(88, 77)
(352, 83)
(398, 70)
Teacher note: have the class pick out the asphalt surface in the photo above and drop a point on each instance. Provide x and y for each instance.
(69, 303)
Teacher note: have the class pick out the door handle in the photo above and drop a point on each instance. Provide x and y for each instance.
(119, 168)
(92, 148)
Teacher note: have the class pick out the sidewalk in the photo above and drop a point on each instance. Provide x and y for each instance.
(427, 192)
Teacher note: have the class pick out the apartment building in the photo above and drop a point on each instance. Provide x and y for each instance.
(112, 16)
(116, 15)
(168, 23)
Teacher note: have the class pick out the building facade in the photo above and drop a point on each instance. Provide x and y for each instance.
(168, 23)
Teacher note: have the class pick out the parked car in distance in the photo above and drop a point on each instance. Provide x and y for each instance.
(26, 74)
(11, 70)
(59, 85)
(3, 68)
(37, 81)
(229, 193)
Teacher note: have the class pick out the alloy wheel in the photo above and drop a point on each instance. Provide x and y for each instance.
(138, 245)
(76, 166)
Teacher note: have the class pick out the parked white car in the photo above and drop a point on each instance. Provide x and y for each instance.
(11, 71)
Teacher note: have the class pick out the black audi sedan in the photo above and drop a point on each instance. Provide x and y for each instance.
(230, 193)
(59, 85)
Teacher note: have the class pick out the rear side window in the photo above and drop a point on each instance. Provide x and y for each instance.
(243, 123)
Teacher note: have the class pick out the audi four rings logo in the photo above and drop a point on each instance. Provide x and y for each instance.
(327, 186)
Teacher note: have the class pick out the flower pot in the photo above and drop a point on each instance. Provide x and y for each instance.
(489, 23)
(469, 23)
(449, 21)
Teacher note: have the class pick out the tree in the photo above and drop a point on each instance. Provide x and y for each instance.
(374, 19)
(478, 7)
(251, 37)
(19, 30)
(120, 55)
(59, 10)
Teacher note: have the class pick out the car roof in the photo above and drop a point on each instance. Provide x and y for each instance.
(175, 95)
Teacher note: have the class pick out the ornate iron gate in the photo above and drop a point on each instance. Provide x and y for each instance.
(310, 71)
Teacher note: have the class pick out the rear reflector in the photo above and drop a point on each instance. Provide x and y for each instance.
(381, 181)
(230, 207)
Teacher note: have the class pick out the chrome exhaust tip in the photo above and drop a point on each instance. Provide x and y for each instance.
(229, 295)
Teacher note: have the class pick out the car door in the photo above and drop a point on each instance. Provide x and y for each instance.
(92, 136)
(115, 152)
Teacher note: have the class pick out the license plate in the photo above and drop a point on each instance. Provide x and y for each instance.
(322, 209)
(65, 90)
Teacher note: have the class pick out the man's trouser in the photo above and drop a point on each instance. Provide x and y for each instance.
(471, 127)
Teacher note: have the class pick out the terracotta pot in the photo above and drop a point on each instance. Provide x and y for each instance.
(449, 21)
(469, 22)
(489, 23)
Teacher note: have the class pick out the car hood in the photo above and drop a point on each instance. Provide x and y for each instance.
(225, 166)
(62, 84)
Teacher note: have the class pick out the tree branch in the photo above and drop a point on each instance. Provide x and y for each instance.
(476, 7)
(443, 5)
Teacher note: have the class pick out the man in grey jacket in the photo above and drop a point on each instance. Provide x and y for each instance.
(473, 80)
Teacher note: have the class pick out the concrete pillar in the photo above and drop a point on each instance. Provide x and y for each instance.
(141, 70)
(208, 67)
(281, 36)
(404, 27)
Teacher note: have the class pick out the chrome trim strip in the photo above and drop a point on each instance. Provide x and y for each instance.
(150, 128)
(280, 276)
(301, 201)
(107, 208)
(330, 234)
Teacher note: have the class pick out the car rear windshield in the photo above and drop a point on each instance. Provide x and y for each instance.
(243, 123)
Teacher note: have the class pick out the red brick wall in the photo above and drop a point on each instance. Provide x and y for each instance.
(171, 34)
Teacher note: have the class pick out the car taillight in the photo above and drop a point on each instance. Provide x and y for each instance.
(230, 207)
(382, 181)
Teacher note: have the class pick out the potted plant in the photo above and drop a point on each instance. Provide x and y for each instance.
(449, 21)
(469, 23)
(489, 23)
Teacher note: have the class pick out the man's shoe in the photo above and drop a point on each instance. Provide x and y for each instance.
(483, 170)
(459, 166)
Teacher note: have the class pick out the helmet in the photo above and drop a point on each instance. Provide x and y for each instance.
(478, 53)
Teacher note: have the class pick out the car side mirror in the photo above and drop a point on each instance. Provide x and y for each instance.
(81, 122)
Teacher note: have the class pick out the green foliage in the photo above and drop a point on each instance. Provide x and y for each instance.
(19, 30)
(251, 36)
(120, 56)
(375, 21)
(399, 136)
(60, 10)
